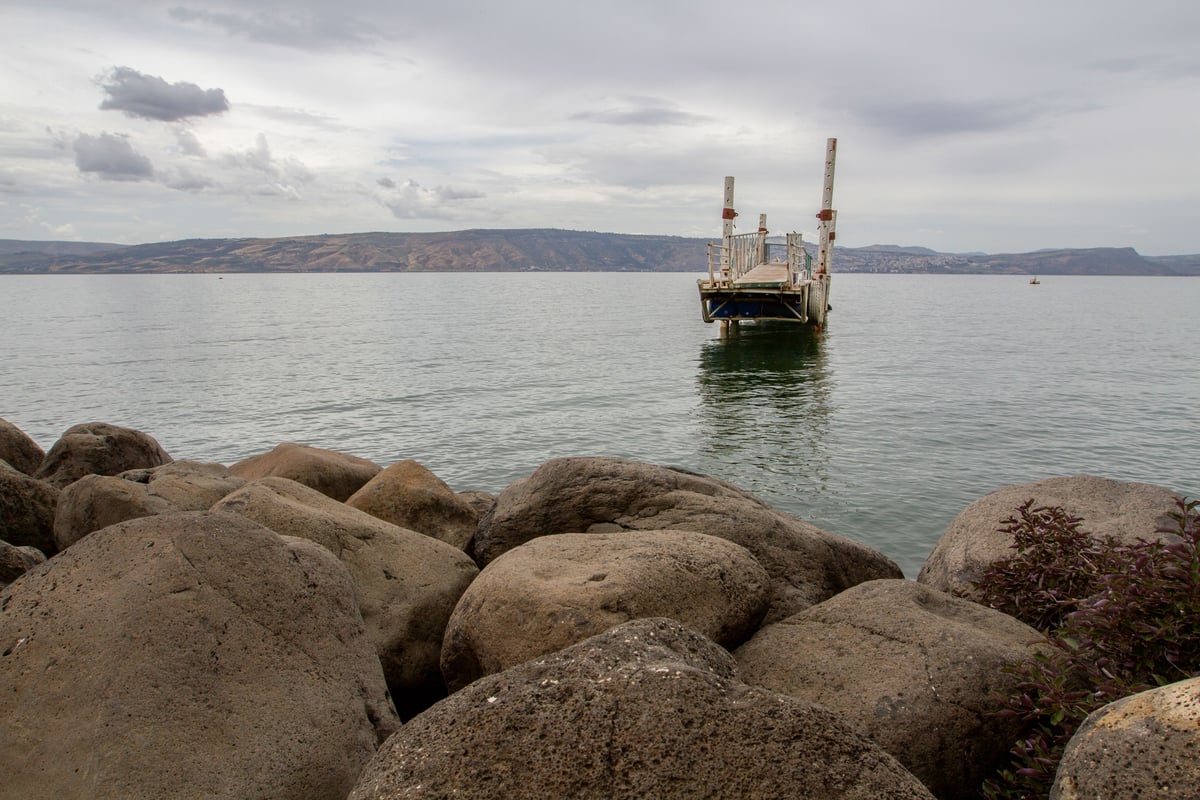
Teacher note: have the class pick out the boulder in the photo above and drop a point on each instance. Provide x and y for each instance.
(973, 541)
(97, 501)
(584, 495)
(406, 583)
(409, 495)
(556, 590)
(893, 657)
(98, 448)
(26, 510)
(16, 561)
(186, 485)
(648, 709)
(21, 452)
(187, 655)
(337, 475)
(482, 502)
(1144, 745)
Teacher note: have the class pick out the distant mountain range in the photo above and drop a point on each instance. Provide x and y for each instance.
(549, 250)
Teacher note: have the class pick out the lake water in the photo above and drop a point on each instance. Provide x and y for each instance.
(923, 393)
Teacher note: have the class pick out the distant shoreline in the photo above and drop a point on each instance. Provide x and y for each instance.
(533, 250)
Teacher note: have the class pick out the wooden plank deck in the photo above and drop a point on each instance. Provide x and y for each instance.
(764, 275)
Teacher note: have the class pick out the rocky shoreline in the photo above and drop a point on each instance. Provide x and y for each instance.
(309, 624)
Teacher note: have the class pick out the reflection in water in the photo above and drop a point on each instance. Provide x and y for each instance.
(765, 411)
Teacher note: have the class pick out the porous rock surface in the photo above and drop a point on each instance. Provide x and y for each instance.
(1144, 745)
(99, 448)
(20, 451)
(603, 495)
(97, 501)
(409, 495)
(908, 666)
(646, 709)
(331, 473)
(27, 510)
(972, 542)
(187, 655)
(556, 590)
(406, 583)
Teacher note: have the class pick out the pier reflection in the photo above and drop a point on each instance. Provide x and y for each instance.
(765, 406)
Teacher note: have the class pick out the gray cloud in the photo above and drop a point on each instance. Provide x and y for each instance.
(111, 157)
(186, 181)
(641, 111)
(318, 28)
(151, 97)
(450, 194)
(924, 118)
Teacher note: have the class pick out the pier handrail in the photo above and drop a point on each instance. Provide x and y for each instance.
(742, 254)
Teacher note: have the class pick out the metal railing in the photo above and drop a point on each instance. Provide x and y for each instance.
(747, 250)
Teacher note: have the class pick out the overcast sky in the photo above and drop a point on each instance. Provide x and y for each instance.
(962, 125)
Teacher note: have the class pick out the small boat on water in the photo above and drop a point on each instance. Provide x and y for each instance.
(750, 278)
(1034, 280)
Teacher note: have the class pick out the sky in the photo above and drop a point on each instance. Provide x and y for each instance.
(962, 126)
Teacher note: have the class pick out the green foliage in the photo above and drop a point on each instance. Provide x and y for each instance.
(1118, 619)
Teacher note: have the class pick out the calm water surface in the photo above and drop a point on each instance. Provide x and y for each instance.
(923, 393)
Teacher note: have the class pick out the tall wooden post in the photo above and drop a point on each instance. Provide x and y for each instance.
(727, 217)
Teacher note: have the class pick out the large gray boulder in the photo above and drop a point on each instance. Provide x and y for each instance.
(973, 541)
(331, 473)
(97, 501)
(556, 590)
(1144, 745)
(406, 583)
(99, 448)
(18, 449)
(188, 655)
(909, 667)
(16, 561)
(648, 709)
(409, 495)
(27, 508)
(603, 495)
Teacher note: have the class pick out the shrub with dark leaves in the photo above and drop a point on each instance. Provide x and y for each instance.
(1119, 619)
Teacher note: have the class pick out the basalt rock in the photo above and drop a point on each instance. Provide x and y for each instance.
(21, 452)
(27, 510)
(646, 709)
(16, 561)
(406, 583)
(1124, 510)
(910, 667)
(1144, 745)
(573, 495)
(337, 475)
(409, 495)
(556, 590)
(98, 448)
(482, 502)
(97, 501)
(187, 655)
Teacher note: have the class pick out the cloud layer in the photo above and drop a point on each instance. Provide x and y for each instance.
(962, 127)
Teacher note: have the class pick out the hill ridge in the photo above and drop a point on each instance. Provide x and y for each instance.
(532, 249)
